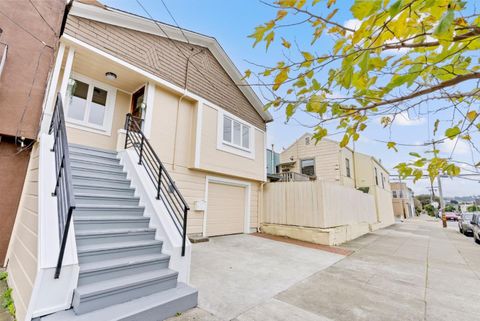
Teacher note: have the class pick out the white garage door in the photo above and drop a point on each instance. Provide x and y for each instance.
(225, 209)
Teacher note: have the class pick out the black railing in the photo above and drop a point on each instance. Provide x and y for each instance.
(165, 187)
(63, 175)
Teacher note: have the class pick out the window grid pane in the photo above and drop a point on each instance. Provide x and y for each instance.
(237, 133)
(227, 129)
(245, 136)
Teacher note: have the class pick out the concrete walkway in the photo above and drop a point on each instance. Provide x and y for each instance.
(411, 271)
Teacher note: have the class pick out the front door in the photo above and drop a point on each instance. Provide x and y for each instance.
(138, 105)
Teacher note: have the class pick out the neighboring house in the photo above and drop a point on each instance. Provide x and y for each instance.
(371, 175)
(130, 222)
(273, 159)
(28, 38)
(403, 202)
(327, 161)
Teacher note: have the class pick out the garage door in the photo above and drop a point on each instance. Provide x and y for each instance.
(225, 209)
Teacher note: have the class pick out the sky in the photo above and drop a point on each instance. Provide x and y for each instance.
(230, 22)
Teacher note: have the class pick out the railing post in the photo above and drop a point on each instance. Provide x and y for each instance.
(141, 151)
(159, 181)
(127, 128)
(184, 236)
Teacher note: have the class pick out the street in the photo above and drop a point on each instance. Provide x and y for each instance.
(414, 270)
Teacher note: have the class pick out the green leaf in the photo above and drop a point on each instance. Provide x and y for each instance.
(285, 43)
(452, 132)
(395, 8)
(415, 154)
(280, 78)
(435, 126)
(269, 38)
(392, 145)
(444, 25)
(363, 8)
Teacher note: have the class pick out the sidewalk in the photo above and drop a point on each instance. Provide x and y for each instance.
(411, 271)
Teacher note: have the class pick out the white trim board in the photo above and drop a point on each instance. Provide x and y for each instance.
(127, 20)
(231, 182)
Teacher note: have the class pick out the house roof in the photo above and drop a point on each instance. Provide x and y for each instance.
(93, 10)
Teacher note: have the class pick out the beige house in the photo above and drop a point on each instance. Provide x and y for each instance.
(403, 204)
(204, 135)
(371, 174)
(327, 161)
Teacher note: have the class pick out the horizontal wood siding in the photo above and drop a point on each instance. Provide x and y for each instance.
(22, 256)
(161, 57)
(325, 153)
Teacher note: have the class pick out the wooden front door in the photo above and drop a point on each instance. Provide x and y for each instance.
(138, 102)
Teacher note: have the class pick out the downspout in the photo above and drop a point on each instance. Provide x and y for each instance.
(260, 207)
(185, 91)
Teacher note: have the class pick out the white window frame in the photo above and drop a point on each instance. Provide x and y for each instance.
(230, 146)
(106, 128)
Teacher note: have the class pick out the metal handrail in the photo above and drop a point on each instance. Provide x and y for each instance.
(166, 190)
(63, 187)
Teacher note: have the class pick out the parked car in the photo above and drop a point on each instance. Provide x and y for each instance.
(464, 225)
(476, 227)
(451, 216)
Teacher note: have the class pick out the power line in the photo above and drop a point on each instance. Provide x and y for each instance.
(176, 23)
(25, 30)
(176, 45)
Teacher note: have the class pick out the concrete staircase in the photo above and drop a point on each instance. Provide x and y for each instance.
(123, 273)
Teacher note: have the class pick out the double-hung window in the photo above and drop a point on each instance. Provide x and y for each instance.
(308, 167)
(236, 133)
(89, 104)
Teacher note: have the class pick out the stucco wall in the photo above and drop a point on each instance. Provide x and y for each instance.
(22, 254)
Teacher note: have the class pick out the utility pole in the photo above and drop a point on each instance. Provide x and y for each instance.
(442, 202)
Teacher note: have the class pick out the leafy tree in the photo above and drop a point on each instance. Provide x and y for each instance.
(430, 209)
(473, 208)
(396, 58)
(450, 208)
(425, 199)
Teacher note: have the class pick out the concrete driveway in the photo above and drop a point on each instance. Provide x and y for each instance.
(238, 276)
(410, 271)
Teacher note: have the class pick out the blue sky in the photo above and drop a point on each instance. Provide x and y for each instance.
(230, 22)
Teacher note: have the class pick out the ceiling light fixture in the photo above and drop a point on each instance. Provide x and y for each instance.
(111, 75)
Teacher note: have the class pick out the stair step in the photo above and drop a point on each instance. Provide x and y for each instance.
(98, 173)
(87, 179)
(97, 271)
(154, 307)
(86, 237)
(102, 252)
(108, 210)
(97, 222)
(103, 190)
(95, 165)
(96, 199)
(98, 295)
(81, 155)
(92, 150)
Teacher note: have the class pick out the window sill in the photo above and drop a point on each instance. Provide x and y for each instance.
(88, 128)
(232, 149)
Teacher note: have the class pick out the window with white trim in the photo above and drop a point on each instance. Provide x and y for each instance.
(236, 133)
(88, 103)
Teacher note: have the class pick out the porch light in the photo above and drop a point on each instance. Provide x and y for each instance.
(111, 75)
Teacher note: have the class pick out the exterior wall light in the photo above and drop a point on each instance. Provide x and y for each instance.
(111, 75)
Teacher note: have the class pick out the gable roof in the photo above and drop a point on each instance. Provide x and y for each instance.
(128, 20)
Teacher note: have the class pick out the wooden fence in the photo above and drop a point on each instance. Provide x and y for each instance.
(316, 204)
